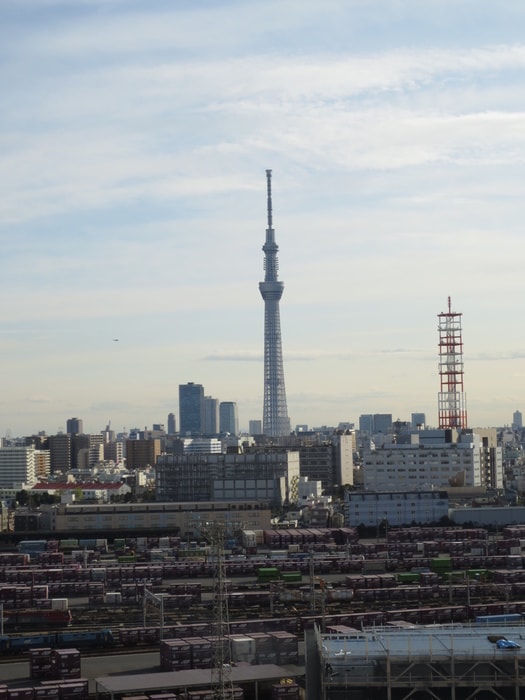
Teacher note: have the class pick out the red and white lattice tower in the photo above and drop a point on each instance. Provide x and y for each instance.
(452, 406)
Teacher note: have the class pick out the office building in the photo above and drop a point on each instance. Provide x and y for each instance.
(270, 477)
(60, 451)
(370, 424)
(255, 427)
(172, 424)
(228, 419)
(142, 453)
(83, 442)
(383, 423)
(114, 451)
(330, 461)
(74, 426)
(191, 409)
(275, 411)
(210, 416)
(366, 424)
(517, 420)
(418, 421)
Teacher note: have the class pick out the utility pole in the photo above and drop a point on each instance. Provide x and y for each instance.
(312, 581)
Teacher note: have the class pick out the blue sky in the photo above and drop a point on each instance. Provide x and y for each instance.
(135, 138)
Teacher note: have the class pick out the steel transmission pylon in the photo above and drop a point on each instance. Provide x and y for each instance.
(215, 532)
(452, 407)
(275, 411)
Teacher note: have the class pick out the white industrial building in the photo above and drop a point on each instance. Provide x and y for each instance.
(394, 508)
(434, 459)
(408, 661)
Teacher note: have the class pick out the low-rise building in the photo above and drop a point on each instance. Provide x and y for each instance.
(186, 518)
(394, 508)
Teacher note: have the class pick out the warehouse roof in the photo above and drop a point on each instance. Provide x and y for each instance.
(147, 682)
(432, 641)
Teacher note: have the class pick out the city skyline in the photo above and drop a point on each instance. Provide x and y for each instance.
(136, 137)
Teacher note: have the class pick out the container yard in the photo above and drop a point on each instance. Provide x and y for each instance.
(73, 596)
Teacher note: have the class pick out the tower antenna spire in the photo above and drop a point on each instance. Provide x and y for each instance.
(269, 196)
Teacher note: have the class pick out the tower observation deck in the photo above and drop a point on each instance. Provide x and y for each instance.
(275, 411)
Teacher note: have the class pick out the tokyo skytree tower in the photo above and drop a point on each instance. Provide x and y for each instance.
(275, 411)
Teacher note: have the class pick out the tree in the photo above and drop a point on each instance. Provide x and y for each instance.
(22, 497)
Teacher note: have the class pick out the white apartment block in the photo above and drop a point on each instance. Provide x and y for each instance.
(202, 446)
(430, 462)
(17, 467)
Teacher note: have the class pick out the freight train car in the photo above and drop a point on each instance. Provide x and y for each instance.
(13, 644)
(36, 618)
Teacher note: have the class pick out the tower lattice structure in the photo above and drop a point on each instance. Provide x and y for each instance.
(452, 408)
(275, 412)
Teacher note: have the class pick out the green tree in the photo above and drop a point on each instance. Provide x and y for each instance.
(22, 497)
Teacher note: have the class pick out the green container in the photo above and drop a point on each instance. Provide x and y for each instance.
(408, 577)
(441, 564)
(480, 574)
(291, 576)
(268, 573)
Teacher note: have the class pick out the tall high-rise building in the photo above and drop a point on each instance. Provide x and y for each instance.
(275, 411)
(255, 427)
(74, 426)
(382, 423)
(228, 419)
(60, 450)
(210, 418)
(517, 420)
(83, 442)
(366, 423)
(172, 425)
(418, 421)
(191, 409)
(452, 407)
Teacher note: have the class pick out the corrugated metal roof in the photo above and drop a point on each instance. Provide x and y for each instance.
(143, 682)
(429, 642)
